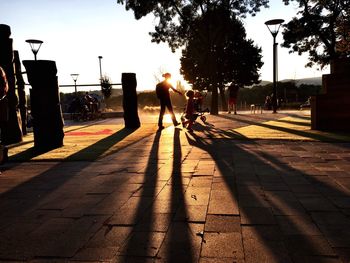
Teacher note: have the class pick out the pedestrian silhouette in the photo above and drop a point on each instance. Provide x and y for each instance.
(162, 91)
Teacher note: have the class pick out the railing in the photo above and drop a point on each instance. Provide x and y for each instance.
(87, 85)
(81, 85)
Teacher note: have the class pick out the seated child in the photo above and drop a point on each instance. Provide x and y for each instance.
(190, 115)
(198, 100)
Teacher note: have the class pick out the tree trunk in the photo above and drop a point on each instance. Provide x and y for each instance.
(214, 110)
(223, 99)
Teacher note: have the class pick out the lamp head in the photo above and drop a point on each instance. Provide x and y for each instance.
(74, 76)
(274, 26)
(34, 45)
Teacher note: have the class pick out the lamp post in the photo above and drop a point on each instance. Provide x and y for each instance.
(99, 59)
(274, 26)
(34, 45)
(75, 78)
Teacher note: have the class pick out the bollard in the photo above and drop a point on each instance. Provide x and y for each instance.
(129, 84)
(45, 104)
(330, 109)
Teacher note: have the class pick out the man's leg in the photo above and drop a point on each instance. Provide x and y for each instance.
(161, 114)
(170, 109)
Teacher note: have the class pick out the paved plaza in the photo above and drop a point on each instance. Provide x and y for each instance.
(240, 188)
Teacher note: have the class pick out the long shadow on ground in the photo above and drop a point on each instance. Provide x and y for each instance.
(89, 153)
(151, 226)
(286, 209)
(306, 134)
(36, 194)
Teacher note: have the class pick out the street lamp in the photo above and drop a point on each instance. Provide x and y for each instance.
(274, 26)
(75, 78)
(99, 58)
(34, 45)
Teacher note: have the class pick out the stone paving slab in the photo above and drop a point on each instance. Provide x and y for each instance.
(175, 196)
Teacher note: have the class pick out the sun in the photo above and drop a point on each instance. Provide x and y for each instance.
(174, 80)
(167, 118)
(171, 81)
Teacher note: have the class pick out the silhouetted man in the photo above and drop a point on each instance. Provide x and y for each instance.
(162, 90)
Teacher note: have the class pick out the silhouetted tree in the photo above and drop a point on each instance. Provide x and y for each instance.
(106, 87)
(175, 17)
(307, 90)
(254, 95)
(343, 30)
(223, 56)
(178, 20)
(320, 28)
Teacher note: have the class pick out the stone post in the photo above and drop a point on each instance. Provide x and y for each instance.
(12, 132)
(129, 84)
(330, 110)
(45, 104)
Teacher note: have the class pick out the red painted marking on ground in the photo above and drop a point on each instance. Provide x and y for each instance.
(80, 133)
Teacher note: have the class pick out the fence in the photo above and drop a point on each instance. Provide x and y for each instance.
(72, 87)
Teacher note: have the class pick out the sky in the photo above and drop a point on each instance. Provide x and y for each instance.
(76, 32)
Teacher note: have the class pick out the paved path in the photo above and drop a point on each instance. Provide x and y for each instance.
(176, 196)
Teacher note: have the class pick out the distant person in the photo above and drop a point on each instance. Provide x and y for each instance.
(88, 98)
(306, 104)
(3, 113)
(268, 103)
(90, 102)
(190, 115)
(280, 103)
(232, 98)
(162, 90)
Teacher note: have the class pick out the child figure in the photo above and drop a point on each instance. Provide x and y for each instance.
(198, 101)
(190, 115)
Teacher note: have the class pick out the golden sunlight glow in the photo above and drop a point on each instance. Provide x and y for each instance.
(167, 118)
(172, 81)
